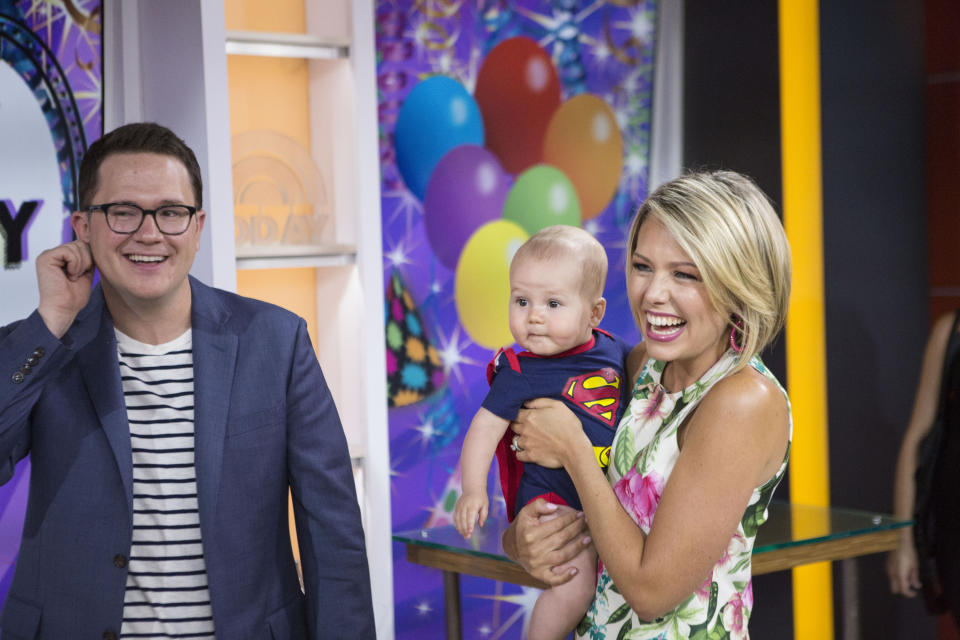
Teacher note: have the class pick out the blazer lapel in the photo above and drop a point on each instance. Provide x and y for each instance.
(214, 360)
(100, 370)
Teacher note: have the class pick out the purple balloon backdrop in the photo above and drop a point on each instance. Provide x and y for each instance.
(597, 47)
(466, 190)
(436, 116)
(71, 31)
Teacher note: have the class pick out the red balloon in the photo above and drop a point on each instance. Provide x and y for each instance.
(517, 92)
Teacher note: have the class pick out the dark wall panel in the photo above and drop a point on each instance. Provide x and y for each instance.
(872, 82)
(732, 100)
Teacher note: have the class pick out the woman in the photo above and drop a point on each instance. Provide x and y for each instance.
(939, 374)
(706, 437)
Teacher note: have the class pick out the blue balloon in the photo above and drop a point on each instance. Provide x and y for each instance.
(437, 115)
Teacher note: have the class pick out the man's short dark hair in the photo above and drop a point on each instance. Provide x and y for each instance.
(137, 137)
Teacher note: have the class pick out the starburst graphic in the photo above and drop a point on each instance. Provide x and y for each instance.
(426, 430)
(635, 165)
(72, 31)
(407, 205)
(622, 114)
(452, 352)
(601, 53)
(423, 608)
(398, 255)
(559, 24)
(524, 601)
(641, 26)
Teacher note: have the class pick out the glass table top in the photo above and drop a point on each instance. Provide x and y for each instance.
(788, 525)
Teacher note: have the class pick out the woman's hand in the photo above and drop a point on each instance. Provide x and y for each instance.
(902, 569)
(542, 541)
(549, 433)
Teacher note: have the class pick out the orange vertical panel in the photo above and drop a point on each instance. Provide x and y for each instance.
(273, 94)
(256, 15)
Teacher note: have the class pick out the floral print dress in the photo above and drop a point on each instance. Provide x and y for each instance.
(644, 452)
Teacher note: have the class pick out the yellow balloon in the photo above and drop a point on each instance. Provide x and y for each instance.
(482, 282)
(583, 140)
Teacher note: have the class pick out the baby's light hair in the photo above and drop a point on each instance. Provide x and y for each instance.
(727, 226)
(571, 243)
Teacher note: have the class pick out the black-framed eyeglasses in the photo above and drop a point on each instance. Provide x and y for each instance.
(126, 218)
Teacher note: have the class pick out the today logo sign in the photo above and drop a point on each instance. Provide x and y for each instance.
(14, 226)
(32, 215)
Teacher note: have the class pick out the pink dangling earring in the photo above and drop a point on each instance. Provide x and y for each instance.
(737, 325)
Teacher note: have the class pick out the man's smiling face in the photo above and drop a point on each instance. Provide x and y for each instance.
(146, 269)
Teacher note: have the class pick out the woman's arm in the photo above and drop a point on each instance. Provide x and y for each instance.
(542, 542)
(543, 548)
(734, 442)
(902, 562)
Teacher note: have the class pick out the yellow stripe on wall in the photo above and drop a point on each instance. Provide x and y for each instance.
(806, 333)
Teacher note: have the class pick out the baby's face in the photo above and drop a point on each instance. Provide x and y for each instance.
(548, 312)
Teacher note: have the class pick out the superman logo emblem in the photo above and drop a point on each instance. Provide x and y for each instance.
(597, 393)
(602, 454)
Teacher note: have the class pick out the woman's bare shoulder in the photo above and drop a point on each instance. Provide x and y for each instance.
(747, 391)
(745, 412)
(940, 333)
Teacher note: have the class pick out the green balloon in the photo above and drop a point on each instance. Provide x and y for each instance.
(542, 196)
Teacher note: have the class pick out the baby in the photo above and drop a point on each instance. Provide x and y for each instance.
(556, 303)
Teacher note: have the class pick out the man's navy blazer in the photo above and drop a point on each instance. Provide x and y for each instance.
(264, 422)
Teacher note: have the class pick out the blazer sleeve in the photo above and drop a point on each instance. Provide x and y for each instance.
(30, 356)
(329, 529)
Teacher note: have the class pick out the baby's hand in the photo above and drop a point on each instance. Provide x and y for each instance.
(470, 507)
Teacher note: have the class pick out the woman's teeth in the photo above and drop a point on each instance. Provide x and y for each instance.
(664, 322)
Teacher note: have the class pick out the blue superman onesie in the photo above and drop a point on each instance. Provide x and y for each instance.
(589, 379)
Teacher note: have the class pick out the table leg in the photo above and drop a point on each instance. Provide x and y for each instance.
(849, 582)
(451, 603)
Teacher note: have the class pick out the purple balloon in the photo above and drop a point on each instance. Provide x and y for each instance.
(466, 190)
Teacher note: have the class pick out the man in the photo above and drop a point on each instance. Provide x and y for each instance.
(166, 421)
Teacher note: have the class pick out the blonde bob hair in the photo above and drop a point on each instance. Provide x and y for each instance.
(725, 223)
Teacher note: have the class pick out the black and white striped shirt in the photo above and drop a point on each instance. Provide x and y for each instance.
(167, 594)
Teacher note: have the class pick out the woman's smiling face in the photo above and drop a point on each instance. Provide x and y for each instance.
(677, 319)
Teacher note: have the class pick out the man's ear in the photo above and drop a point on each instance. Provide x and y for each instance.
(201, 219)
(596, 313)
(80, 221)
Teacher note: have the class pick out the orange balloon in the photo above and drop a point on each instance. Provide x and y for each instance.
(583, 140)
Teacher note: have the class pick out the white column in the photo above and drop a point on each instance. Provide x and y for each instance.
(166, 62)
(666, 138)
(370, 265)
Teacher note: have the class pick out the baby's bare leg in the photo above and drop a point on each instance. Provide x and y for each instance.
(559, 609)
